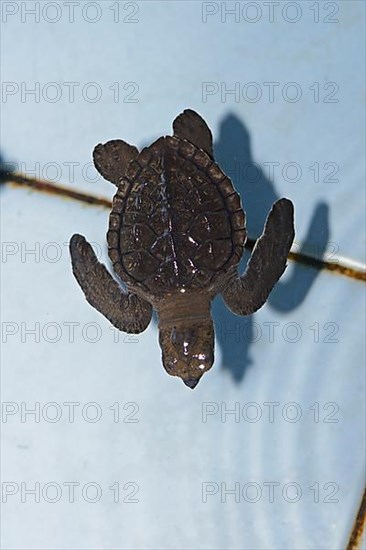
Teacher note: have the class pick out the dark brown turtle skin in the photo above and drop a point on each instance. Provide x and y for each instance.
(176, 236)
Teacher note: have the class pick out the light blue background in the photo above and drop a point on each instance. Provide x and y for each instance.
(169, 53)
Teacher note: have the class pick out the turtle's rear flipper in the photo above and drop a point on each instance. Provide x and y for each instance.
(112, 159)
(249, 292)
(124, 310)
(190, 126)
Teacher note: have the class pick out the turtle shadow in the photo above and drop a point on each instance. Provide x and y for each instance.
(235, 335)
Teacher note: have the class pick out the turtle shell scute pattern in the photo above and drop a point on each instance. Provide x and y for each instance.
(176, 219)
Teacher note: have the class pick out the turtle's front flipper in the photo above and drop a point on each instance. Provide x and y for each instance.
(124, 310)
(190, 126)
(112, 159)
(249, 292)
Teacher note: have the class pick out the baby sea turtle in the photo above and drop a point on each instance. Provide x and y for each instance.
(176, 236)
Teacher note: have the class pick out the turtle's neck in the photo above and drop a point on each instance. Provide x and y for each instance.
(183, 308)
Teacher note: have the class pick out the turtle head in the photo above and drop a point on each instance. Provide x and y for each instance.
(187, 350)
